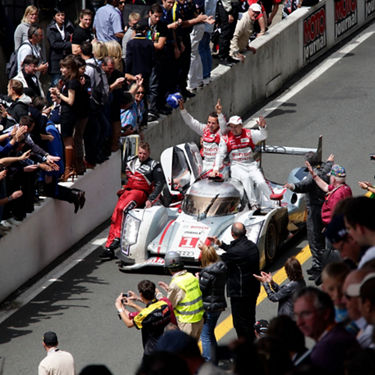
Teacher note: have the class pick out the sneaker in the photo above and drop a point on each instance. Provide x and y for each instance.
(152, 117)
(115, 244)
(315, 275)
(107, 253)
(318, 280)
(235, 57)
(207, 80)
(232, 60)
(312, 271)
(226, 62)
(187, 94)
(165, 111)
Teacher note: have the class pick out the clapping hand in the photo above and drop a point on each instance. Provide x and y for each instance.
(264, 277)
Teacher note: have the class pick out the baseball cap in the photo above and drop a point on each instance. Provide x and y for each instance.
(337, 171)
(336, 230)
(255, 7)
(261, 327)
(235, 120)
(354, 289)
(50, 338)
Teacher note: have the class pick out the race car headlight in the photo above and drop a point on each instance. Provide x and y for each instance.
(130, 230)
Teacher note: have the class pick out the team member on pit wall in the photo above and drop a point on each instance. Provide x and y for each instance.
(239, 144)
(210, 132)
(144, 185)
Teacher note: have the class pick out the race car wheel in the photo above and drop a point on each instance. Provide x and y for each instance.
(270, 244)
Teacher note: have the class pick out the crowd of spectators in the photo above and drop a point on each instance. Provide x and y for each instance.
(107, 77)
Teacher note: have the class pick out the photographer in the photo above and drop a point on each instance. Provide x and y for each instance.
(16, 105)
(151, 320)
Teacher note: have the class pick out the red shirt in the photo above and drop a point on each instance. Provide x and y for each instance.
(334, 196)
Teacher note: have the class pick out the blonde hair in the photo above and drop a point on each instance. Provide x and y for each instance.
(114, 50)
(30, 9)
(209, 255)
(99, 50)
(134, 16)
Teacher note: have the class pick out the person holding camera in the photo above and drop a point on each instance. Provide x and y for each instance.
(151, 320)
(15, 105)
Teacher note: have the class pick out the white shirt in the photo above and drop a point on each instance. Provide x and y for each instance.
(57, 362)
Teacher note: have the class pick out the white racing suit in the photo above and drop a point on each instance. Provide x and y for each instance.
(210, 140)
(243, 167)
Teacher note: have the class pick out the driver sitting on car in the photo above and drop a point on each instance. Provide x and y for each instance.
(145, 181)
(239, 144)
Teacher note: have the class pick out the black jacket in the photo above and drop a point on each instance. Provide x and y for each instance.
(140, 56)
(314, 194)
(284, 295)
(16, 110)
(59, 48)
(242, 260)
(212, 280)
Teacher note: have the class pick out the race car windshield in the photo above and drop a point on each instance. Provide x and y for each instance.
(180, 171)
(221, 206)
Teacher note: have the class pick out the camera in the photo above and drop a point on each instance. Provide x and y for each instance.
(5, 103)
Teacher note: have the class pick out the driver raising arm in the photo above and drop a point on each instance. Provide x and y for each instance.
(210, 132)
(144, 185)
(239, 144)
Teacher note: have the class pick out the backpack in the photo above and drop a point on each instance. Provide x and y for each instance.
(11, 68)
(99, 86)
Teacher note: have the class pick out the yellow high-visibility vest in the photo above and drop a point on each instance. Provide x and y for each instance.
(190, 309)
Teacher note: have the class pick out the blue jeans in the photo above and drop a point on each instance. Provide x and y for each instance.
(205, 53)
(208, 338)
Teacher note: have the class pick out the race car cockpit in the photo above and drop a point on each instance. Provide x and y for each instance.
(207, 198)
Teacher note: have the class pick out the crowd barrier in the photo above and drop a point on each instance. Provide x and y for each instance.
(288, 47)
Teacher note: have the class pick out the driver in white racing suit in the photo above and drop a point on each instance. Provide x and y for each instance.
(239, 144)
(210, 132)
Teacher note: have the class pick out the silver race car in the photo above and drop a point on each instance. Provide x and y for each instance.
(200, 208)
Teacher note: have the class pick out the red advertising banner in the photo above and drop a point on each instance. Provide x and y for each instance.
(314, 33)
(346, 16)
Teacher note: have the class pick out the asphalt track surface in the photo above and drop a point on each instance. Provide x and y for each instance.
(79, 304)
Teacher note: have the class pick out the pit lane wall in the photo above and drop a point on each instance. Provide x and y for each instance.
(286, 48)
(53, 227)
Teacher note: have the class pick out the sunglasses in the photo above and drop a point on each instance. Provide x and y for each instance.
(140, 92)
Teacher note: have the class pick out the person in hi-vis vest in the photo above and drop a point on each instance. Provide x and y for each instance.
(185, 295)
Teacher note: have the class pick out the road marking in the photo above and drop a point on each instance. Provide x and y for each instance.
(311, 76)
(280, 276)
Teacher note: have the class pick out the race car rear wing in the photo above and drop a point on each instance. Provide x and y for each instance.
(292, 150)
(286, 150)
